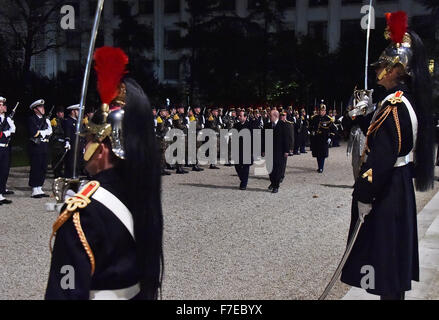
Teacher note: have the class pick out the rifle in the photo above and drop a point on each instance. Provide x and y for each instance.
(11, 116)
(37, 140)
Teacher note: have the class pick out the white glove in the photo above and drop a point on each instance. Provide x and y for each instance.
(7, 133)
(363, 210)
(329, 141)
(67, 145)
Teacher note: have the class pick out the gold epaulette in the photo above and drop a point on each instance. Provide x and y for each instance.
(192, 118)
(54, 123)
(73, 204)
(397, 98)
(159, 120)
(85, 121)
(210, 118)
(176, 117)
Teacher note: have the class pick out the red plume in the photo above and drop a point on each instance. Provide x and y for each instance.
(397, 23)
(110, 66)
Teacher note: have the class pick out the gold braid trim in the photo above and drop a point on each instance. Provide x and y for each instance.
(373, 128)
(398, 127)
(83, 239)
(79, 201)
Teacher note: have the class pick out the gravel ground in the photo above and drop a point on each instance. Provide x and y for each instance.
(219, 242)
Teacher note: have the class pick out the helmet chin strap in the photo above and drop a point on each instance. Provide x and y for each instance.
(90, 150)
(382, 74)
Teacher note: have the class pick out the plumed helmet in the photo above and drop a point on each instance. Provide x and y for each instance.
(399, 50)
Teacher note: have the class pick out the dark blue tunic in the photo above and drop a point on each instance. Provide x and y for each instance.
(113, 247)
(388, 240)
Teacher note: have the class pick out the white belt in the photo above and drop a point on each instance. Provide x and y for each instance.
(4, 145)
(402, 161)
(119, 294)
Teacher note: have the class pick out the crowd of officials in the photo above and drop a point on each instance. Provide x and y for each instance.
(293, 131)
(52, 138)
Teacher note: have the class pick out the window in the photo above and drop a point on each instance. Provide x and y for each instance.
(92, 7)
(73, 67)
(286, 4)
(227, 5)
(344, 2)
(349, 28)
(172, 39)
(73, 39)
(146, 6)
(172, 69)
(120, 7)
(172, 6)
(100, 39)
(318, 30)
(316, 3)
(253, 4)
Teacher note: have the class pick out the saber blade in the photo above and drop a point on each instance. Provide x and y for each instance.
(367, 45)
(91, 48)
(343, 260)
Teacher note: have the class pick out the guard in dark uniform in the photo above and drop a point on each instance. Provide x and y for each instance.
(399, 132)
(304, 134)
(57, 143)
(199, 125)
(108, 238)
(69, 125)
(322, 129)
(214, 123)
(7, 129)
(180, 122)
(161, 130)
(40, 130)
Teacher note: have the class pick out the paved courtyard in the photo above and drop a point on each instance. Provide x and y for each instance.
(219, 242)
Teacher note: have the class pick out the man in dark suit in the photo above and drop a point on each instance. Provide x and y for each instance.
(243, 166)
(281, 148)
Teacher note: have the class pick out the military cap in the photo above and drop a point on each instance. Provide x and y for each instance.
(2, 99)
(74, 107)
(36, 104)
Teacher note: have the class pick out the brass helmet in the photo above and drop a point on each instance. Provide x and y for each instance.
(110, 64)
(399, 50)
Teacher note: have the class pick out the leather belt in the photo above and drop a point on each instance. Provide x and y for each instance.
(119, 294)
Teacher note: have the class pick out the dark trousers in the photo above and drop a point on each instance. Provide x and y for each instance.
(278, 171)
(38, 168)
(57, 154)
(4, 168)
(321, 163)
(243, 171)
(302, 144)
(68, 162)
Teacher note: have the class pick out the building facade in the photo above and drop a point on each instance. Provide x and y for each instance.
(328, 19)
